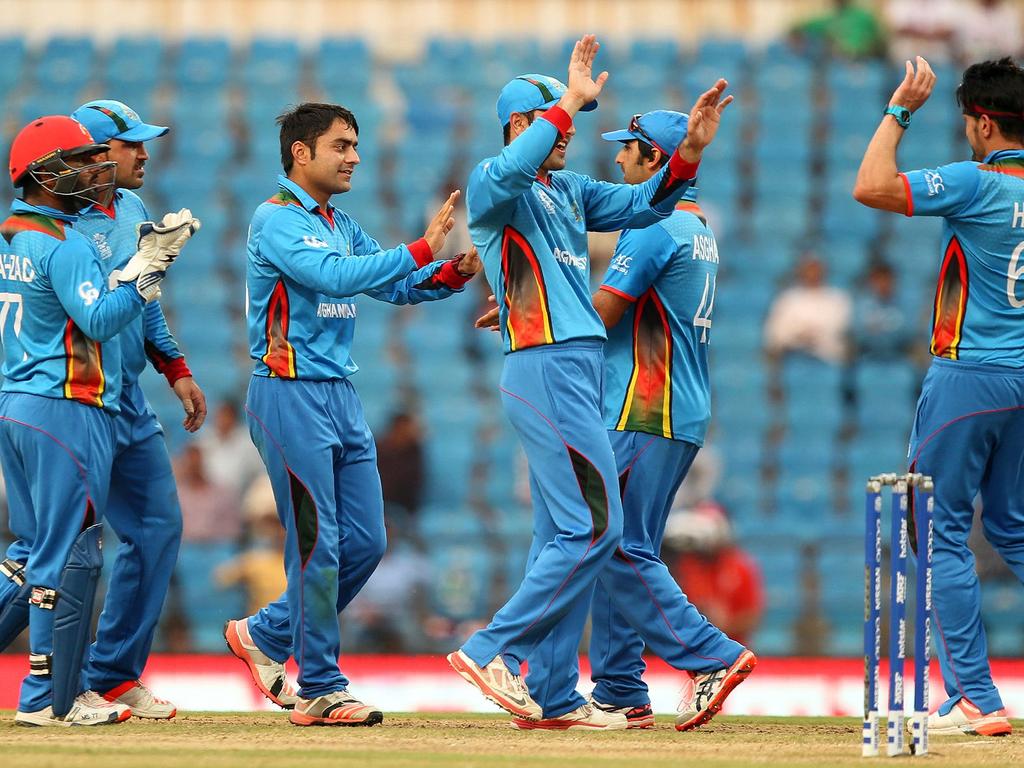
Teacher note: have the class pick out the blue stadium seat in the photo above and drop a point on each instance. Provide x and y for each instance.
(66, 64)
(206, 605)
(133, 67)
(203, 64)
(461, 577)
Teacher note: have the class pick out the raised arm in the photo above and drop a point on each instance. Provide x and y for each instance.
(879, 183)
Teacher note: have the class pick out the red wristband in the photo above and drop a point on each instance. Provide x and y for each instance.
(451, 277)
(680, 169)
(421, 252)
(559, 118)
(175, 369)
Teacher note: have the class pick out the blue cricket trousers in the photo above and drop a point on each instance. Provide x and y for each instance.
(636, 600)
(322, 463)
(56, 457)
(969, 436)
(144, 512)
(552, 395)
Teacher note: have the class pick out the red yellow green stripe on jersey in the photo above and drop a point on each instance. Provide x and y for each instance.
(280, 354)
(950, 303)
(647, 406)
(32, 222)
(690, 206)
(1011, 166)
(526, 298)
(284, 197)
(84, 380)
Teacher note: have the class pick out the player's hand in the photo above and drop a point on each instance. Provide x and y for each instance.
(442, 223)
(705, 117)
(193, 401)
(469, 263)
(582, 88)
(916, 86)
(489, 320)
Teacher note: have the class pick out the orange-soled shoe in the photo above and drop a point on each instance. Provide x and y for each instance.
(335, 708)
(585, 717)
(964, 717)
(497, 683)
(709, 691)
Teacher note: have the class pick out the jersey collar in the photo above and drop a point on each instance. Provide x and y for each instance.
(20, 206)
(111, 211)
(1002, 153)
(305, 198)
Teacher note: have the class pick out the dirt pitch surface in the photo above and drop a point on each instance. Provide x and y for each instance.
(202, 739)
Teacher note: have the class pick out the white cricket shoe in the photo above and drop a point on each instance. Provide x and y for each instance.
(585, 716)
(336, 708)
(965, 718)
(636, 717)
(269, 675)
(709, 691)
(141, 700)
(88, 708)
(497, 683)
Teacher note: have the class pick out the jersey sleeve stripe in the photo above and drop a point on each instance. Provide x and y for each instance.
(617, 292)
(910, 196)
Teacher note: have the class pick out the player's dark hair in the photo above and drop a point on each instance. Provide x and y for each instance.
(307, 123)
(507, 130)
(995, 88)
(647, 152)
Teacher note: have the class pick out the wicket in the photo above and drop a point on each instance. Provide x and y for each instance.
(923, 488)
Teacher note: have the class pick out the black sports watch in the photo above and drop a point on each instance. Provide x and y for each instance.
(902, 115)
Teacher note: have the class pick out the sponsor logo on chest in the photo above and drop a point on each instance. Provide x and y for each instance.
(100, 241)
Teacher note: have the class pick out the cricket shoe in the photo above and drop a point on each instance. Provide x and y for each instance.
(965, 718)
(636, 717)
(497, 683)
(88, 708)
(585, 716)
(335, 708)
(709, 691)
(141, 700)
(269, 675)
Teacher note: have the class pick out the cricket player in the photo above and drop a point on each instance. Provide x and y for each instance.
(307, 260)
(969, 428)
(62, 386)
(529, 218)
(143, 506)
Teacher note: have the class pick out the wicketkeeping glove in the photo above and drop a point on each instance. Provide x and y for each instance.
(159, 245)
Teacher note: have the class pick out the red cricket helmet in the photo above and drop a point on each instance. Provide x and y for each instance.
(47, 138)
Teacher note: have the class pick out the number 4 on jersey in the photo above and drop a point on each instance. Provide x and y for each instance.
(707, 304)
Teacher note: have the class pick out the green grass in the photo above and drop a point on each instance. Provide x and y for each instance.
(199, 740)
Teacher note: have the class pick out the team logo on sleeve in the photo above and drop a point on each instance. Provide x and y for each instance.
(88, 292)
(934, 181)
(621, 263)
(315, 242)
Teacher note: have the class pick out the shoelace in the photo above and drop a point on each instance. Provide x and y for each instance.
(517, 683)
(93, 699)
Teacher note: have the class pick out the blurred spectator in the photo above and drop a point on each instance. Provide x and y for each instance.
(401, 464)
(881, 329)
(701, 480)
(209, 511)
(850, 30)
(717, 576)
(922, 28)
(231, 458)
(988, 29)
(259, 570)
(388, 614)
(809, 317)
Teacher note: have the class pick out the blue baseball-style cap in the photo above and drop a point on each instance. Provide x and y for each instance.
(663, 129)
(529, 92)
(108, 119)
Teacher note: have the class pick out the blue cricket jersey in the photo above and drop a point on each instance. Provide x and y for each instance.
(114, 234)
(979, 303)
(58, 319)
(656, 358)
(304, 267)
(532, 235)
